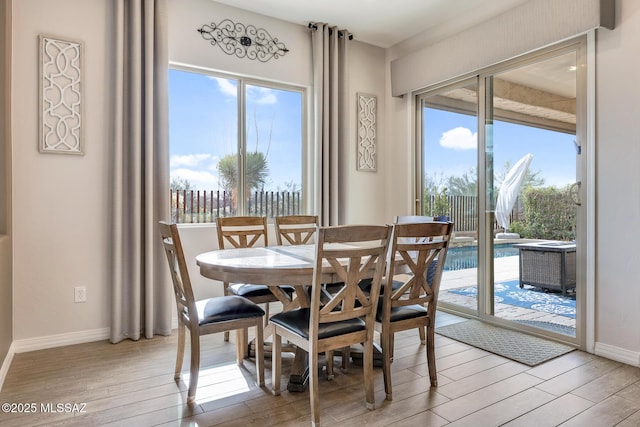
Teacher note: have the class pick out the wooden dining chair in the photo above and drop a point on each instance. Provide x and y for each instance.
(407, 219)
(212, 315)
(348, 317)
(300, 230)
(296, 229)
(246, 232)
(423, 249)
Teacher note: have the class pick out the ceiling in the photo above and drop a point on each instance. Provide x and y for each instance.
(383, 22)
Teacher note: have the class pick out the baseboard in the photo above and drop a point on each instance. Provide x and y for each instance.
(618, 354)
(6, 364)
(59, 340)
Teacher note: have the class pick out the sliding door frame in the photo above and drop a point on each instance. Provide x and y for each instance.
(585, 167)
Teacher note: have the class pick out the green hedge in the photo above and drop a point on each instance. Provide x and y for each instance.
(549, 214)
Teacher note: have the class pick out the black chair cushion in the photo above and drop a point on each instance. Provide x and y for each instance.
(365, 285)
(297, 321)
(402, 313)
(248, 290)
(220, 309)
(332, 288)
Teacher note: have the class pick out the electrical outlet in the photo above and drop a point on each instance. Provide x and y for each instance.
(80, 294)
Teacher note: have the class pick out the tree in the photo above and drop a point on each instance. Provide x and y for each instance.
(435, 183)
(531, 179)
(256, 167)
(291, 187)
(548, 214)
(256, 173)
(179, 183)
(436, 196)
(467, 183)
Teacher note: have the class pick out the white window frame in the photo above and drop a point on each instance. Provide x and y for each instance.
(307, 161)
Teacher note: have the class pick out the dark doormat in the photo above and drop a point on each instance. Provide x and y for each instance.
(513, 345)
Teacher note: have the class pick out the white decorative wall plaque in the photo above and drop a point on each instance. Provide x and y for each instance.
(60, 93)
(367, 106)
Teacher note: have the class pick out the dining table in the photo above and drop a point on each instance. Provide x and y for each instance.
(273, 266)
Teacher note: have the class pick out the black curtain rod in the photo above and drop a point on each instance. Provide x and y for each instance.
(341, 33)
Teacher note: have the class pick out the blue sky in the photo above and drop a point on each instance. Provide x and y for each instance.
(203, 128)
(452, 148)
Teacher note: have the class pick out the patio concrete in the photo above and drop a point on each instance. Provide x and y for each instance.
(505, 269)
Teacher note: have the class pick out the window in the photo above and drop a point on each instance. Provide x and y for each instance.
(236, 147)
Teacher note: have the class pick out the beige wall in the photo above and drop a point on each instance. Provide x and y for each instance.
(618, 172)
(6, 309)
(61, 202)
(365, 192)
(187, 46)
(6, 257)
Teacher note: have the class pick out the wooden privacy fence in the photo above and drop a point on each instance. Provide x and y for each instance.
(196, 206)
(201, 206)
(463, 211)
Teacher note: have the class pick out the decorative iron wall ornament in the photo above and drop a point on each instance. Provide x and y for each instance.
(243, 40)
(367, 106)
(60, 93)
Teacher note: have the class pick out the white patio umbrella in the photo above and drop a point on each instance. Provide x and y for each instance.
(509, 191)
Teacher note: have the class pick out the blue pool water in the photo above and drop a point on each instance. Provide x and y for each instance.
(463, 257)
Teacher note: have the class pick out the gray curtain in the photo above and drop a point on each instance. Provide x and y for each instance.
(329, 48)
(141, 298)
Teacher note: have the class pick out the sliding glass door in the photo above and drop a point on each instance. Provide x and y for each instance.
(449, 181)
(531, 124)
(501, 155)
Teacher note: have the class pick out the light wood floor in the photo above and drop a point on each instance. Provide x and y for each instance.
(131, 384)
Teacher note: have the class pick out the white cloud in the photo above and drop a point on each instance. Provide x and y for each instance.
(198, 169)
(459, 138)
(199, 179)
(189, 160)
(262, 95)
(226, 86)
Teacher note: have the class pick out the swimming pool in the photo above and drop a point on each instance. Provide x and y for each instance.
(462, 257)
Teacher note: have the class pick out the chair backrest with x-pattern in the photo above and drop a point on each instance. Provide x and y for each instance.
(353, 252)
(242, 231)
(423, 249)
(296, 229)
